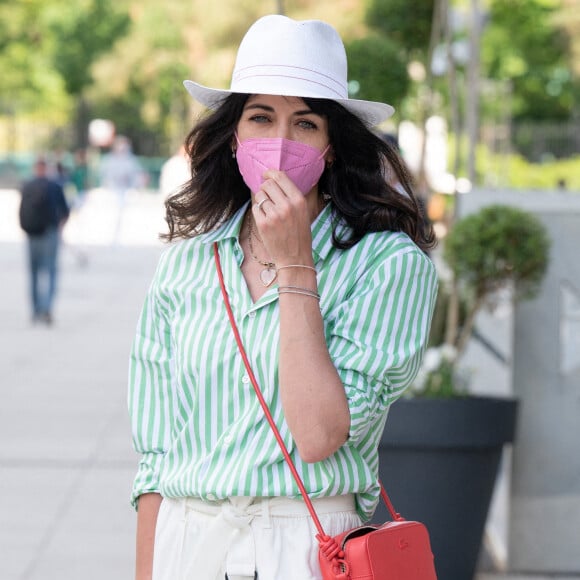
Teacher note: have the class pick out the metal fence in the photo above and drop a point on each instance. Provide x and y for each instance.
(539, 142)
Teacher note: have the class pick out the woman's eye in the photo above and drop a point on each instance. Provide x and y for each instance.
(259, 118)
(306, 124)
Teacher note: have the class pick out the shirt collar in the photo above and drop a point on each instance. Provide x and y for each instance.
(322, 228)
(229, 229)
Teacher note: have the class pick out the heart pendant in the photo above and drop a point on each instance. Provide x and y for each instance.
(267, 276)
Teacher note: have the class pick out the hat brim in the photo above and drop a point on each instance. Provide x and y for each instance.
(371, 112)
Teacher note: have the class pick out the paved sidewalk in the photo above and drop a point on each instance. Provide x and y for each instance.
(66, 463)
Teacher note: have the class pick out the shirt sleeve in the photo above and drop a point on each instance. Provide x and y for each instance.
(381, 332)
(150, 396)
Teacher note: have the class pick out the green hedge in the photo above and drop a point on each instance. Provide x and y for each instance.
(514, 171)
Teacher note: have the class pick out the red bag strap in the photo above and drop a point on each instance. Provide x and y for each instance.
(322, 537)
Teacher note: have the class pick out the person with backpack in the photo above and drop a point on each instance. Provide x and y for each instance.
(43, 212)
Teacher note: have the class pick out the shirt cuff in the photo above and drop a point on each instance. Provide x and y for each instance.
(369, 404)
(147, 478)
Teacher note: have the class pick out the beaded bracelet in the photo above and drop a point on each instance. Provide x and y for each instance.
(298, 290)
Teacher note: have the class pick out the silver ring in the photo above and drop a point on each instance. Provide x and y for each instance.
(261, 203)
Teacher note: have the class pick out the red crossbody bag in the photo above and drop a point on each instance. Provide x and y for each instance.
(396, 550)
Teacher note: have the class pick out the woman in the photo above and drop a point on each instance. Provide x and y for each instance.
(325, 267)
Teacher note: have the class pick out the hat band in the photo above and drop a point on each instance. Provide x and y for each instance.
(260, 76)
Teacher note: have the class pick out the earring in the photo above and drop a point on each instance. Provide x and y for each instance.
(233, 153)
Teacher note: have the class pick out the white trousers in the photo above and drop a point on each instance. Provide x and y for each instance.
(242, 536)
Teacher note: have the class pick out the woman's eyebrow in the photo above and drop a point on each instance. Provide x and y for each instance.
(259, 106)
(306, 112)
(272, 110)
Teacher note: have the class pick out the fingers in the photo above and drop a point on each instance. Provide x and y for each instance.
(279, 189)
(284, 184)
(281, 217)
(279, 206)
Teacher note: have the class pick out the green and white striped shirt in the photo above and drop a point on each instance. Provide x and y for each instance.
(195, 417)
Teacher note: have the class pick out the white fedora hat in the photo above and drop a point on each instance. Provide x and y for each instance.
(281, 56)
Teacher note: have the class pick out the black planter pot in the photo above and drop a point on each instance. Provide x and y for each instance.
(438, 461)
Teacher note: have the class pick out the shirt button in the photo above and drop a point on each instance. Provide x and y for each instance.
(252, 314)
(228, 439)
(210, 496)
(245, 379)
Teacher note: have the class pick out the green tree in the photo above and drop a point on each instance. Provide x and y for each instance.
(27, 75)
(377, 69)
(139, 83)
(125, 59)
(407, 22)
(82, 34)
(523, 45)
(47, 51)
(413, 26)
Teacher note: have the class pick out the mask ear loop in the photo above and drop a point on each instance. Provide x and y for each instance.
(234, 149)
(326, 149)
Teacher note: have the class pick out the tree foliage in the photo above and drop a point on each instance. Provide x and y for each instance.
(127, 58)
(83, 32)
(406, 22)
(27, 74)
(376, 64)
(139, 83)
(498, 245)
(523, 45)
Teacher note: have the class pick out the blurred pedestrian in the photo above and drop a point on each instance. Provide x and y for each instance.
(43, 213)
(120, 173)
(61, 174)
(175, 172)
(78, 186)
(79, 177)
(391, 177)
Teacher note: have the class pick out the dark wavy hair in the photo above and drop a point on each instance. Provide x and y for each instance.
(355, 184)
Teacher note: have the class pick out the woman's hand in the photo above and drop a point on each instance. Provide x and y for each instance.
(283, 215)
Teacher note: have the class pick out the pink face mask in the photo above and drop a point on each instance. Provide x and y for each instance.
(302, 163)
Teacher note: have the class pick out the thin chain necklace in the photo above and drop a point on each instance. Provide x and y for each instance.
(268, 274)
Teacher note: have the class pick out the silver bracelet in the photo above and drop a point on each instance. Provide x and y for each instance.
(298, 290)
(296, 266)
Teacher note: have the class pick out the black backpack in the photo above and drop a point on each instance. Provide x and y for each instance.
(36, 212)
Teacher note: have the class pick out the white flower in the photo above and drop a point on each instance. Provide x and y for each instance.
(431, 360)
(419, 382)
(448, 352)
